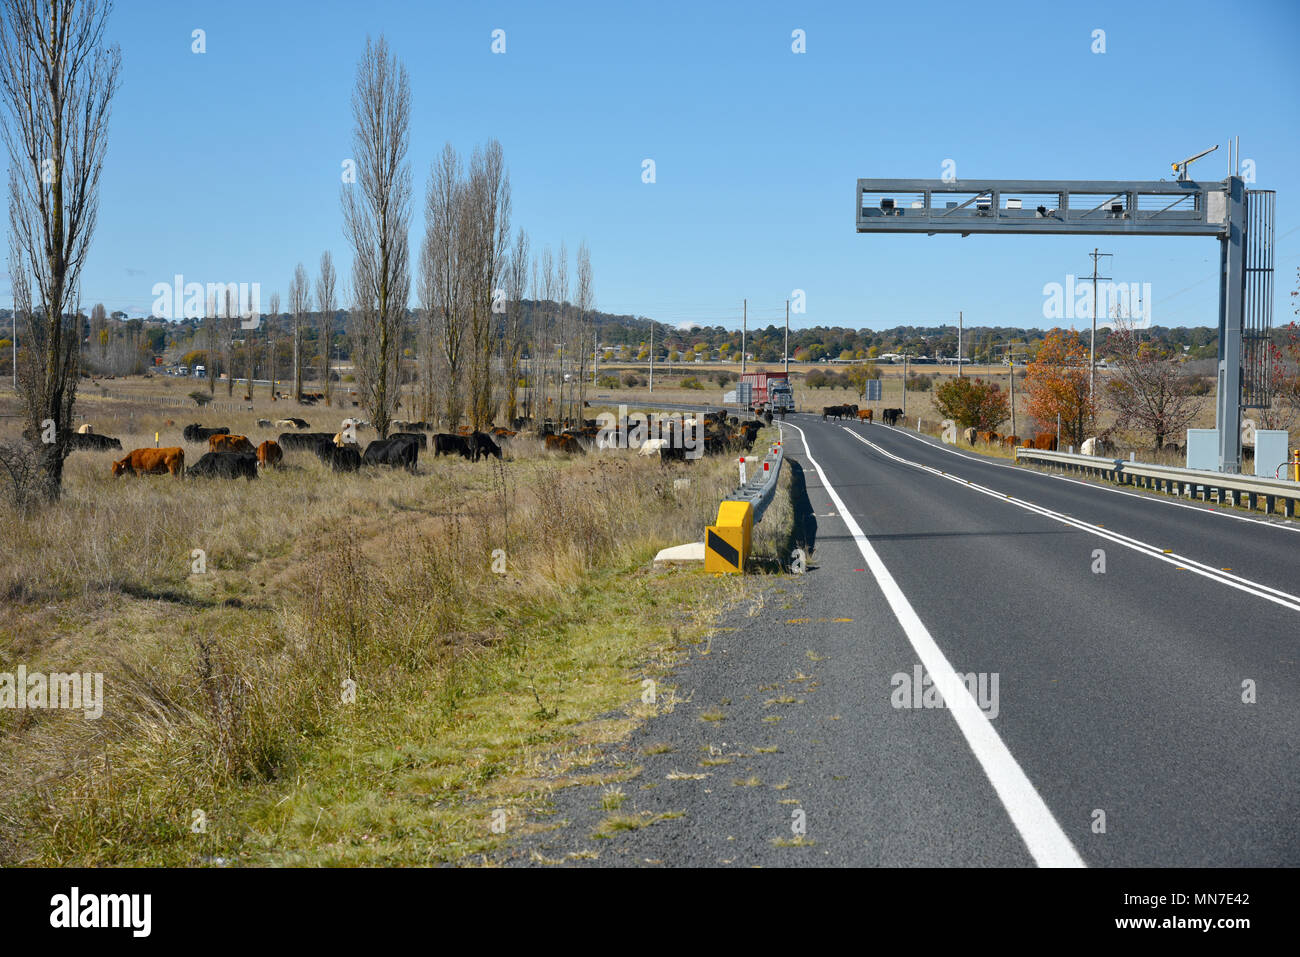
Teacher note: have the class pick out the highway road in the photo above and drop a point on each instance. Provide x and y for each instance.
(1131, 661)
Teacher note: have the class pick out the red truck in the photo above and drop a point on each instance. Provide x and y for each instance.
(769, 392)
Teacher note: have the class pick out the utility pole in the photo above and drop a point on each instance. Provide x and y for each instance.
(905, 358)
(1011, 382)
(959, 325)
(1092, 343)
(787, 341)
(652, 355)
(744, 321)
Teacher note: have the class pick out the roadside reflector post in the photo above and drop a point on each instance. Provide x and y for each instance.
(155, 440)
(742, 470)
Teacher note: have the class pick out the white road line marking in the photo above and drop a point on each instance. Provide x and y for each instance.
(1267, 592)
(1029, 813)
(1161, 497)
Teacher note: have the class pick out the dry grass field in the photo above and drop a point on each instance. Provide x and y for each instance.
(349, 680)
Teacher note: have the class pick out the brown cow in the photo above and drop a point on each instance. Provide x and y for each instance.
(152, 462)
(1027, 444)
(564, 443)
(1011, 441)
(988, 437)
(1045, 441)
(864, 415)
(230, 443)
(269, 454)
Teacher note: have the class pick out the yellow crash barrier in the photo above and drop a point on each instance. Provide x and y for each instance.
(726, 544)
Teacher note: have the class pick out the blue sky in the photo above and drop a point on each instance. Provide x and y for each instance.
(226, 166)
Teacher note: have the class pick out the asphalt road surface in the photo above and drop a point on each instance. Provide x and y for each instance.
(1120, 668)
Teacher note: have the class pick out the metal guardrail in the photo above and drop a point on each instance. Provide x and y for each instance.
(727, 541)
(1196, 483)
(761, 489)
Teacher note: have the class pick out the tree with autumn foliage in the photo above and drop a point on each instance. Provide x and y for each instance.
(972, 403)
(1150, 392)
(1056, 383)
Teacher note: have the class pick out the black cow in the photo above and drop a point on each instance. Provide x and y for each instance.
(481, 444)
(444, 443)
(891, 416)
(197, 433)
(672, 453)
(303, 440)
(93, 442)
(299, 423)
(397, 451)
(229, 465)
(417, 436)
(343, 458)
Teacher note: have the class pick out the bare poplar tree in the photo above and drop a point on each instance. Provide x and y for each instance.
(545, 320)
(57, 80)
(376, 213)
(489, 236)
(584, 345)
(299, 305)
(327, 300)
(229, 324)
(512, 337)
(211, 321)
(443, 280)
(270, 340)
(98, 327)
(563, 332)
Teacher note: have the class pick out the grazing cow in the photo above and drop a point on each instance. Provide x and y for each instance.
(481, 445)
(307, 441)
(92, 442)
(229, 465)
(1045, 442)
(269, 454)
(397, 451)
(230, 443)
(1027, 444)
(299, 423)
(444, 443)
(152, 462)
(970, 435)
(1010, 441)
(864, 415)
(892, 416)
(564, 443)
(263, 423)
(988, 437)
(197, 433)
(284, 424)
(417, 436)
(653, 446)
(1097, 445)
(86, 429)
(339, 458)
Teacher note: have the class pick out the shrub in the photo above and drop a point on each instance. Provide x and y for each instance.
(690, 382)
(972, 403)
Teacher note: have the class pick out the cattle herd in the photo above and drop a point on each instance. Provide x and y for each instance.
(1045, 441)
(233, 456)
(888, 416)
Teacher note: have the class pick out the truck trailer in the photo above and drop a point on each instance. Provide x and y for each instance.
(769, 392)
